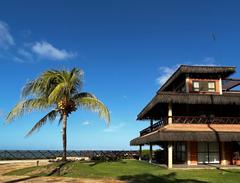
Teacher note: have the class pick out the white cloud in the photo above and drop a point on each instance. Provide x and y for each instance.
(6, 39)
(165, 73)
(25, 54)
(19, 60)
(48, 51)
(28, 52)
(114, 128)
(86, 123)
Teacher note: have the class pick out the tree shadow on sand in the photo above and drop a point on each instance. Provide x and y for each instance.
(21, 179)
(56, 171)
(146, 178)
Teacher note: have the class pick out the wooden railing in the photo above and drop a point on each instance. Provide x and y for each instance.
(191, 120)
(154, 127)
(205, 120)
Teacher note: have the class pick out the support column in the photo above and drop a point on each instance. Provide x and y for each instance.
(222, 154)
(170, 154)
(220, 86)
(188, 153)
(187, 84)
(140, 153)
(151, 124)
(150, 153)
(170, 113)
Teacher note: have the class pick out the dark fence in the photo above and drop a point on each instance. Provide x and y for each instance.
(52, 154)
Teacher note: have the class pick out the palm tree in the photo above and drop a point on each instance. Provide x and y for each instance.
(59, 90)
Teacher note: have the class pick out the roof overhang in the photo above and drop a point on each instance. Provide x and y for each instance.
(191, 132)
(189, 98)
(230, 83)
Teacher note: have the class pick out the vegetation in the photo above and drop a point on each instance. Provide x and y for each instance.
(132, 171)
(59, 90)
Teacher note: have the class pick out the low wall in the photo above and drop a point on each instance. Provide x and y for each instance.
(52, 154)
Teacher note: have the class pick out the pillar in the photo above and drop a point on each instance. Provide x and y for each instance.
(150, 153)
(188, 153)
(220, 86)
(140, 153)
(170, 154)
(170, 113)
(222, 154)
(187, 84)
(151, 124)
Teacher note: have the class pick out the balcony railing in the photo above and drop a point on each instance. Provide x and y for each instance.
(191, 120)
(152, 128)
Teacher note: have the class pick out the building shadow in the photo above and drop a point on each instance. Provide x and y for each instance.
(146, 178)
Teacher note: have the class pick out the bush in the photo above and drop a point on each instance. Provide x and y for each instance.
(114, 156)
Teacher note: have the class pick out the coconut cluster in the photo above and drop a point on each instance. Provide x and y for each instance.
(67, 105)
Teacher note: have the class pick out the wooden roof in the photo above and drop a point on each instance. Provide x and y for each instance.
(191, 132)
(189, 98)
(206, 71)
(230, 83)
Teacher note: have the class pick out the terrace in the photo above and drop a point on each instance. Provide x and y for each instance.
(189, 120)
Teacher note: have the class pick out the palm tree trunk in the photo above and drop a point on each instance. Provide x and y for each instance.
(64, 137)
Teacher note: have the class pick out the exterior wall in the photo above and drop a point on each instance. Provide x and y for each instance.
(226, 153)
(192, 153)
(189, 82)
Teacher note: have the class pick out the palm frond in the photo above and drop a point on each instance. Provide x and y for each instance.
(27, 106)
(83, 94)
(51, 116)
(56, 92)
(95, 105)
(76, 78)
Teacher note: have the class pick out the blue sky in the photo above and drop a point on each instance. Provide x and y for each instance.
(127, 49)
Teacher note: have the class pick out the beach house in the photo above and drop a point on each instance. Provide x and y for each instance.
(194, 117)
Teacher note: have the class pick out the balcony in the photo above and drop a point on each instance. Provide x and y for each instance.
(190, 120)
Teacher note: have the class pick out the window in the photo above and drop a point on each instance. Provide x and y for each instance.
(179, 150)
(208, 152)
(211, 87)
(196, 86)
(204, 86)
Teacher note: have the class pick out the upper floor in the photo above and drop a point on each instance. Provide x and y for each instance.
(194, 95)
(201, 80)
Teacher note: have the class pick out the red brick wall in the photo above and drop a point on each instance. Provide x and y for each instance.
(192, 153)
(226, 153)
